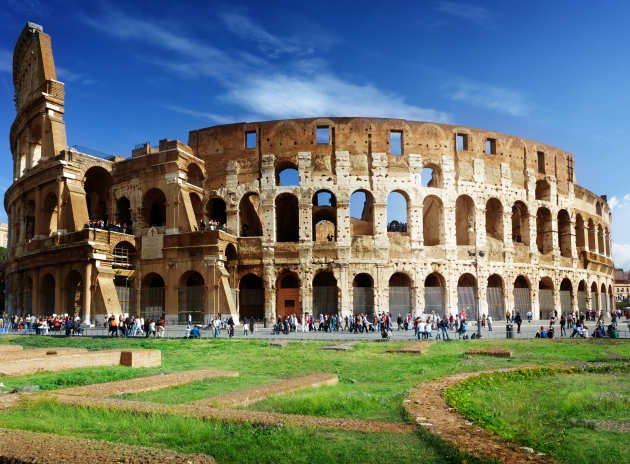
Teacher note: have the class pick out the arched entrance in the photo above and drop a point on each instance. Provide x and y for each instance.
(581, 295)
(545, 297)
(566, 295)
(47, 293)
(399, 294)
(467, 295)
(594, 299)
(522, 299)
(604, 298)
(152, 297)
(324, 294)
(74, 293)
(494, 297)
(191, 298)
(288, 295)
(363, 294)
(126, 291)
(434, 294)
(251, 297)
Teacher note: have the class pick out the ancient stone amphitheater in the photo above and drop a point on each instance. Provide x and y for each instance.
(295, 218)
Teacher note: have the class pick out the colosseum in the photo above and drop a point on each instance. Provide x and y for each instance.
(272, 218)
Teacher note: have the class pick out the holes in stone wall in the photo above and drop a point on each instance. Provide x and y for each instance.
(361, 213)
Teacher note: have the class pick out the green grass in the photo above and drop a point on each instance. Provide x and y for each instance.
(543, 410)
(373, 384)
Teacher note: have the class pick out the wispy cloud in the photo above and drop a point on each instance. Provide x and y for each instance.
(491, 97)
(65, 75)
(301, 87)
(466, 11)
(198, 114)
(6, 61)
(616, 203)
(621, 255)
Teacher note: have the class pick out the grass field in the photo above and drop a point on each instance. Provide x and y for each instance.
(372, 385)
(552, 413)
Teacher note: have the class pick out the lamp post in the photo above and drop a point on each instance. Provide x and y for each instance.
(471, 231)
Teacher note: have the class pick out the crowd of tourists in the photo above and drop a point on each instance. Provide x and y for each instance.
(102, 224)
(41, 325)
(132, 326)
(211, 224)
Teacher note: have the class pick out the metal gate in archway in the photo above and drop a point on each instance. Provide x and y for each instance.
(399, 301)
(152, 303)
(565, 301)
(581, 301)
(190, 301)
(545, 301)
(362, 300)
(324, 300)
(522, 301)
(434, 300)
(494, 297)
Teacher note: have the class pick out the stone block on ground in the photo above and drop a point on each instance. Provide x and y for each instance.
(495, 351)
(341, 347)
(141, 358)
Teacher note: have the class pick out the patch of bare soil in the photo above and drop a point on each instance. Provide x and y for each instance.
(255, 394)
(239, 415)
(427, 406)
(38, 353)
(341, 347)
(21, 447)
(144, 384)
(496, 351)
(412, 348)
(10, 348)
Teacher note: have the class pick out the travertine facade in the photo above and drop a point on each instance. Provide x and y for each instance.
(492, 220)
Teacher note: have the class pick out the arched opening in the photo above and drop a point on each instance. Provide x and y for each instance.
(522, 300)
(361, 213)
(494, 297)
(363, 294)
(494, 222)
(467, 295)
(581, 295)
(607, 241)
(543, 190)
(324, 216)
(579, 231)
(399, 294)
(566, 294)
(47, 295)
(520, 224)
(434, 291)
(288, 295)
(251, 298)
(465, 220)
(195, 175)
(598, 208)
(197, 206)
(51, 209)
(287, 218)
(594, 299)
(126, 292)
(604, 298)
(250, 213)
(396, 212)
(191, 298)
(544, 240)
(600, 240)
(287, 175)
(431, 176)
(216, 212)
(97, 187)
(152, 297)
(74, 294)
(564, 233)
(154, 208)
(324, 294)
(27, 296)
(29, 220)
(432, 221)
(591, 235)
(124, 255)
(545, 297)
(123, 214)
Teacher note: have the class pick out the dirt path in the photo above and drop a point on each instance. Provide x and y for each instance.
(240, 415)
(21, 447)
(144, 384)
(427, 406)
(412, 348)
(255, 394)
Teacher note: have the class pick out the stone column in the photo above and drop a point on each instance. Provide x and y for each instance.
(87, 293)
(270, 293)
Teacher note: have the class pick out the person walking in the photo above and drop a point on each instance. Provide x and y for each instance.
(563, 323)
(519, 320)
(489, 321)
(245, 327)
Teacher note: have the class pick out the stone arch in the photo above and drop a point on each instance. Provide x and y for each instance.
(564, 233)
(324, 216)
(494, 297)
(591, 235)
(152, 297)
(197, 206)
(522, 295)
(581, 296)
(545, 297)
(250, 214)
(29, 219)
(325, 294)
(287, 174)
(287, 218)
(598, 208)
(579, 231)
(465, 226)
(195, 175)
(431, 176)
(544, 231)
(604, 299)
(399, 294)
(594, 298)
(361, 213)
(154, 208)
(251, 298)
(123, 213)
(397, 221)
(433, 221)
(434, 294)
(216, 212)
(288, 295)
(494, 220)
(191, 297)
(520, 223)
(363, 294)
(51, 214)
(124, 255)
(566, 295)
(543, 190)
(600, 240)
(97, 184)
(467, 295)
(74, 294)
(47, 295)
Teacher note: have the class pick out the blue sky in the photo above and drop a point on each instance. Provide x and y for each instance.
(556, 72)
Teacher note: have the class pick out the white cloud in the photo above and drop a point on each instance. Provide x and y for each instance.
(198, 114)
(6, 61)
(466, 11)
(487, 96)
(621, 255)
